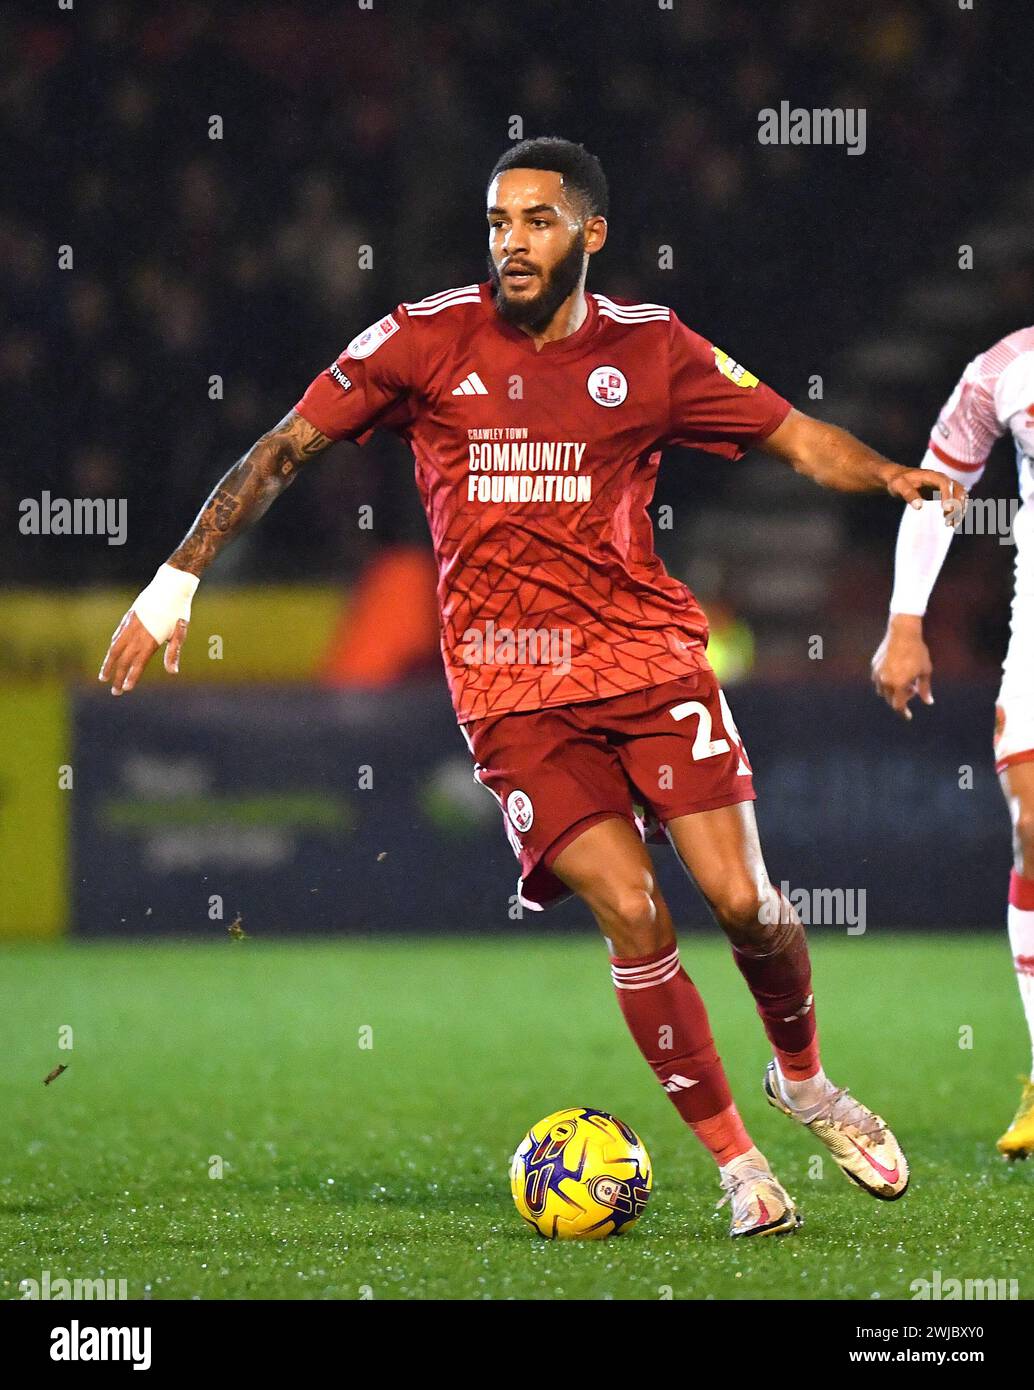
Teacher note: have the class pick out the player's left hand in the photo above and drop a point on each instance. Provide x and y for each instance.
(132, 647)
(913, 484)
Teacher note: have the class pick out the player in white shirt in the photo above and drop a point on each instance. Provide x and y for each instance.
(995, 394)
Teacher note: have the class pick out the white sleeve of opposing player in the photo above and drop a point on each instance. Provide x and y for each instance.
(968, 426)
(1013, 389)
(962, 438)
(923, 541)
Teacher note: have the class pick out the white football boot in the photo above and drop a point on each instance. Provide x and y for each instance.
(859, 1140)
(761, 1206)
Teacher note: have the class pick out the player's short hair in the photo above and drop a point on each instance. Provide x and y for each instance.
(582, 172)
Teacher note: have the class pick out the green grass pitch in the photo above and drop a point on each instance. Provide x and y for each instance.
(381, 1171)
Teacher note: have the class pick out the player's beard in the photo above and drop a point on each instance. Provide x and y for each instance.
(536, 312)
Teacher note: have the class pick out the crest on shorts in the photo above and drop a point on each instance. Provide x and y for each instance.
(520, 811)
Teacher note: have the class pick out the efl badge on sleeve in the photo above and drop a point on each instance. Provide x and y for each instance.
(367, 343)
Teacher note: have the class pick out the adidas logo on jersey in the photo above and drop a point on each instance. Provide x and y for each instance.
(471, 385)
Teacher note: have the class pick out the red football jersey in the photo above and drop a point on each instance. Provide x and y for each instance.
(536, 468)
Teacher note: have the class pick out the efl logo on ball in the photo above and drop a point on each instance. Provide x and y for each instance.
(581, 1174)
(520, 811)
(607, 386)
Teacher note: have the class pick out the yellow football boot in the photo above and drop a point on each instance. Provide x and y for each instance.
(1018, 1139)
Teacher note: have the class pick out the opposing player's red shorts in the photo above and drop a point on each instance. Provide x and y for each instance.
(648, 756)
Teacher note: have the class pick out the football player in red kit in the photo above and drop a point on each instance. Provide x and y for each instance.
(536, 413)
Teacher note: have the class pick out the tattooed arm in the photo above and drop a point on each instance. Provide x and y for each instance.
(239, 499)
(248, 490)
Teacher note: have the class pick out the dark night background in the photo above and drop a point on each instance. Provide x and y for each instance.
(345, 127)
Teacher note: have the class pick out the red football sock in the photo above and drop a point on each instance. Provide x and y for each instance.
(781, 985)
(668, 1020)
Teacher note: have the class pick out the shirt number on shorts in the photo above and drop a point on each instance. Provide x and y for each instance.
(704, 746)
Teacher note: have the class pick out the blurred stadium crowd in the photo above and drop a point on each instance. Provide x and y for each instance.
(342, 128)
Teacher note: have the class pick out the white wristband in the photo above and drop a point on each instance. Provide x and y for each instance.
(165, 600)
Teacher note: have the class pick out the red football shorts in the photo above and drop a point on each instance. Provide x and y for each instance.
(648, 756)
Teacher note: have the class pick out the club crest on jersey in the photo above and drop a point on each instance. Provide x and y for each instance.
(739, 376)
(607, 386)
(520, 811)
(367, 343)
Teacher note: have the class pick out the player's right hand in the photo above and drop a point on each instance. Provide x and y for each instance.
(132, 647)
(901, 665)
